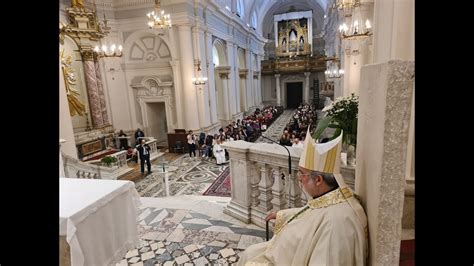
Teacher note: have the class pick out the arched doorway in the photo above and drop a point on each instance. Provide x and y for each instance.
(152, 98)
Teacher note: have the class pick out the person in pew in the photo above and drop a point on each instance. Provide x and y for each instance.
(219, 152)
(331, 229)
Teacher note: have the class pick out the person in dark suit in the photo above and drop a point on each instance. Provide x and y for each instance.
(144, 152)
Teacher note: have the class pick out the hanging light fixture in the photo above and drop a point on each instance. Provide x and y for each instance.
(157, 19)
(333, 70)
(358, 28)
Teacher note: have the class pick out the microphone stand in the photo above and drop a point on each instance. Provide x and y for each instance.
(289, 174)
(289, 156)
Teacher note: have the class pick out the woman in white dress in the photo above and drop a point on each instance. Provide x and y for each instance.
(219, 152)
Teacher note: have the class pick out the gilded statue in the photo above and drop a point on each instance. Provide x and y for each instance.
(77, 3)
(75, 106)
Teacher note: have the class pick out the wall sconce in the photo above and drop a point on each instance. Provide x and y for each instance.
(199, 81)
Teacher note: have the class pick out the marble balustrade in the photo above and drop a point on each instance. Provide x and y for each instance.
(261, 181)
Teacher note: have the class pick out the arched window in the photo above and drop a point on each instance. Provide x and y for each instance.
(240, 8)
(253, 20)
(215, 56)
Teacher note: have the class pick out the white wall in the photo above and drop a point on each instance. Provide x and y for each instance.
(269, 88)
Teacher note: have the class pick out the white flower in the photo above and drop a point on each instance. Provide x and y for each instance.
(327, 108)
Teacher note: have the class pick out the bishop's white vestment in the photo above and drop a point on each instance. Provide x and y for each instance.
(326, 231)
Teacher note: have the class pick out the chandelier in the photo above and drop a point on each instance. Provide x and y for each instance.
(358, 28)
(106, 51)
(344, 5)
(157, 19)
(333, 70)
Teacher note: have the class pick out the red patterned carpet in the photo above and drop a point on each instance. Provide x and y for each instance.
(221, 186)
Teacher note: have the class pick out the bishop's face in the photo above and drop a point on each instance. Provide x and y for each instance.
(304, 180)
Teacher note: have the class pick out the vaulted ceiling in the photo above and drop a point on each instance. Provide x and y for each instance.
(265, 9)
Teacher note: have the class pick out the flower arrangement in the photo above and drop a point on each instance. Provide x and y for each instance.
(108, 160)
(342, 115)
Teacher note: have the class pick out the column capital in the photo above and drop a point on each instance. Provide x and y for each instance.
(277, 76)
(306, 74)
(224, 75)
(87, 55)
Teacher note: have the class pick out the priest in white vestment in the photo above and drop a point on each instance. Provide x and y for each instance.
(331, 229)
(219, 152)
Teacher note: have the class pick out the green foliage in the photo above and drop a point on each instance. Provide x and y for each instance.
(341, 115)
(108, 160)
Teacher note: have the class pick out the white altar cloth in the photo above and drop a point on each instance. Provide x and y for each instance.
(98, 218)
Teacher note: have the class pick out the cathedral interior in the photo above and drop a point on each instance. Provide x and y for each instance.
(246, 77)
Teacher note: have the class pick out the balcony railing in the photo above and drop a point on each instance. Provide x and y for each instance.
(261, 182)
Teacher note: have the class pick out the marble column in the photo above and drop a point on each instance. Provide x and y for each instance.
(92, 91)
(306, 87)
(190, 106)
(231, 84)
(347, 71)
(394, 31)
(277, 76)
(100, 90)
(259, 81)
(225, 94)
(254, 89)
(175, 66)
(248, 91)
(236, 83)
(211, 78)
(243, 91)
(386, 93)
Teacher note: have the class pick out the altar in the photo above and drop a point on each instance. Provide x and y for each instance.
(97, 220)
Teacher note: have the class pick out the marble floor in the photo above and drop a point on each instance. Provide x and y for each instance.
(275, 130)
(189, 230)
(187, 176)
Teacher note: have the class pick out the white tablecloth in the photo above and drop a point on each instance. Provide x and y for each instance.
(98, 218)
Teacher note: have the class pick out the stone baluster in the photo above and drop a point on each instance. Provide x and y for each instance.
(254, 181)
(278, 190)
(153, 147)
(295, 191)
(265, 188)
